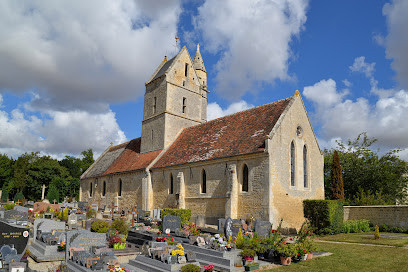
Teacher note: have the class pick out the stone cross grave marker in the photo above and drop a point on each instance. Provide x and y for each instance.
(171, 222)
(262, 228)
(85, 239)
(47, 225)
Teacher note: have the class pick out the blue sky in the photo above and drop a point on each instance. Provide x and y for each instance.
(72, 74)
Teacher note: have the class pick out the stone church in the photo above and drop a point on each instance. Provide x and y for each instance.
(261, 162)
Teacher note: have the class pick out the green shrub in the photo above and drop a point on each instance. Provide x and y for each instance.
(100, 226)
(9, 206)
(247, 253)
(121, 226)
(326, 216)
(190, 268)
(377, 233)
(384, 228)
(354, 226)
(19, 198)
(91, 213)
(184, 214)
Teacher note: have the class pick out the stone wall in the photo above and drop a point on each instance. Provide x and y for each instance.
(287, 199)
(391, 215)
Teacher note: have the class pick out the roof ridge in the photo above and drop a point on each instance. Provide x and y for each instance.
(238, 112)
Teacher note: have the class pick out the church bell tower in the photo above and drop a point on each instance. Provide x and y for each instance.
(175, 98)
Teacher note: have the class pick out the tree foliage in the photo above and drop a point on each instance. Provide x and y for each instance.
(53, 194)
(30, 171)
(366, 173)
(337, 188)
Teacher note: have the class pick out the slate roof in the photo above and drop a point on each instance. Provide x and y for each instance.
(237, 134)
(163, 69)
(122, 158)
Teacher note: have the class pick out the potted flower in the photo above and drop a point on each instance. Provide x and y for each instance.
(61, 247)
(286, 252)
(309, 247)
(209, 268)
(248, 254)
(229, 246)
(261, 250)
(301, 252)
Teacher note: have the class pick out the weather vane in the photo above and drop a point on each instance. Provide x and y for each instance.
(176, 46)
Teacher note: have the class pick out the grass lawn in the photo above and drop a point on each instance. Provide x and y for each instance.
(391, 239)
(349, 258)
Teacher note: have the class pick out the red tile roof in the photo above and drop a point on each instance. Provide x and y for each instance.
(131, 159)
(240, 133)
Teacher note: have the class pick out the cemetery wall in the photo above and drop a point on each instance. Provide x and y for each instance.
(391, 215)
(287, 199)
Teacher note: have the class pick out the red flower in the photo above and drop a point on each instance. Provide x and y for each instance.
(291, 239)
(172, 239)
(168, 234)
(165, 239)
(283, 243)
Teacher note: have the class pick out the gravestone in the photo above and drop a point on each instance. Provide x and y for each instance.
(21, 209)
(156, 214)
(17, 267)
(72, 220)
(221, 224)
(16, 217)
(47, 225)
(82, 205)
(84, 239)
(171, 222)
(228, 227)
(81, 217)
(236, 225)
(262, 228)
(200, 221)
(15, 237)
(95, 207)
(191, 256)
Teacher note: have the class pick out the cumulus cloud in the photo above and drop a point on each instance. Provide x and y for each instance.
(83, 54)
(360, 65)
(59, 134)
(345, 119)
(396, 41)
(252, 39)
(215, 111)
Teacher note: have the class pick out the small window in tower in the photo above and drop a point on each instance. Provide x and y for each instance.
(171, 185)
(104, 189)
(245, 178)
(184, 105)
(152, 135)
(154, 104)
(204, 183)
(184, 83)
(120, 188)
(186, 69)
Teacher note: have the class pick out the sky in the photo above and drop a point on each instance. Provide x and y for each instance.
(72, 73)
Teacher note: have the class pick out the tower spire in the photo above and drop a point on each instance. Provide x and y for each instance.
(198, 62)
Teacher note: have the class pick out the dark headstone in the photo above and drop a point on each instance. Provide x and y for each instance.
(14, 235)
(262, 228)
(171, 222)
(221, 224)
(236, 225)
(82, 205)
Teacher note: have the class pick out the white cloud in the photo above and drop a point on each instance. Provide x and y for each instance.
(396, 41)
(59, 134)
(360, 65)
(83, 54)
(345, 119)
(215, 111)
(252, 39)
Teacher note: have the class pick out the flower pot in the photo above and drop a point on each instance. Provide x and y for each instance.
(252, 267)
(229, 248)
(286, 260)
(304, 257)
(310, 255)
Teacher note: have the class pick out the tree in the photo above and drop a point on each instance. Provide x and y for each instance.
(18, 197)
(337, 188)
(4, 194)
(73, 165)
(6, 169)
(87, 159)
(364, 170)
(53, 194)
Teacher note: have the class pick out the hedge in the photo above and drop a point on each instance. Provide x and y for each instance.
(325, 216)
(184, 214)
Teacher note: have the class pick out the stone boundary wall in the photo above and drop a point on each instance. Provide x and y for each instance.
(392, 215)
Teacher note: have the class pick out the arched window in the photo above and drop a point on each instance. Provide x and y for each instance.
(305, 181)
(204, 183)
(245, 178)
(120, 188)
(171, 185)
(292, 164)
(104, 188)
(90, 190)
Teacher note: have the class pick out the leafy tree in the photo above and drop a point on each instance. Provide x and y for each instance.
(4, 194)
(6, 169)
(73, 165)
(53, 194)
(337, 188)
(87, 159)
(20, 178)
(18, 197)
(365, 170)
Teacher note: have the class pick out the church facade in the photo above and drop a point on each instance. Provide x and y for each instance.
(262, 162)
